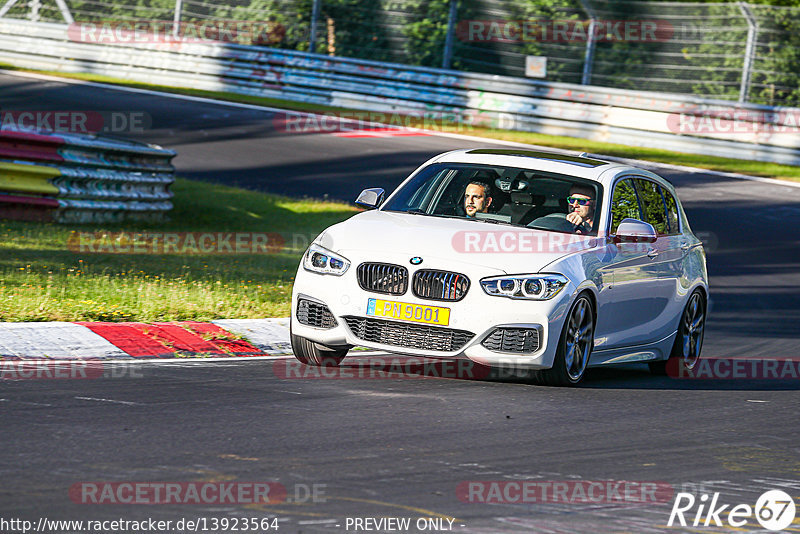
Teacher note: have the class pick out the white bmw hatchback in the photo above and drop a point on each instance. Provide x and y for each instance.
(535, 260)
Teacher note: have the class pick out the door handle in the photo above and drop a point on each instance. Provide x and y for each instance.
(684, 246)
(652, 253)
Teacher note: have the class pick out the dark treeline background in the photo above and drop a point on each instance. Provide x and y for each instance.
(702, 53)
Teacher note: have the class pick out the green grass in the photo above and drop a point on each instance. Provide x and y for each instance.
(753, 168)
(42, 280)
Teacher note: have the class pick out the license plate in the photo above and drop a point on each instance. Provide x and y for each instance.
(404, 311)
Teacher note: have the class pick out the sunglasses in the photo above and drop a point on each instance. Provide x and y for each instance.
(579, 200)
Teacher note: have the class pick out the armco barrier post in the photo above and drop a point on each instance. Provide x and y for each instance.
(312, 39)
(749, 51)
(34, 14)
(62, 6)
(176, 26)
(447, 56)
(588, 60)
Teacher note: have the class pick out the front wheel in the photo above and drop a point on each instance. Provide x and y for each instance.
(574, 347)
(310, 353)
(689, 340)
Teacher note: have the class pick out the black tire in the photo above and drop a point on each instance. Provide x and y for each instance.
(574, 347)
(658, 367)
(310, 353)
(689, 339)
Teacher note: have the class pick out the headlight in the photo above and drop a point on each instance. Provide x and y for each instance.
(525, 286)
(319, 259)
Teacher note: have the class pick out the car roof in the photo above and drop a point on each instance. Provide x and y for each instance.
(541, 160)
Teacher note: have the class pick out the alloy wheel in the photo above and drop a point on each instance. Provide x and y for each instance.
(692, 328)
(579, 339)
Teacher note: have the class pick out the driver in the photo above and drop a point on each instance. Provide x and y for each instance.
(581, 208)
(477, 198)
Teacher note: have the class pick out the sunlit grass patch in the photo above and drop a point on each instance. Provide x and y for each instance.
(41, 279)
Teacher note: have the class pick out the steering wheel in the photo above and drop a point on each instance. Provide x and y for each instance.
(554, 221)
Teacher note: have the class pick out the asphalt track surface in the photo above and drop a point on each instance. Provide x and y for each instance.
(401, 447)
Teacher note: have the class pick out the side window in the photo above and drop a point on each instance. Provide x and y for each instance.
(653, 205)
(624, 204)
(672, 212)
(451, 194)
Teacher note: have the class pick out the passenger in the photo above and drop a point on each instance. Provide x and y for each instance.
(477, 198)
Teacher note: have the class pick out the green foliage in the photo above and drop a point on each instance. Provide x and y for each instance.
(705, 56)
(426, 32)
(776, 77)
(624, 204)
(286, 23)
(129, 10)
(653, 205)
(362, 29)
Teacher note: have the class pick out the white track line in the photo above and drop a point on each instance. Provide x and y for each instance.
(132, 360)
(193, 361)
(638, 163)
(127, 403)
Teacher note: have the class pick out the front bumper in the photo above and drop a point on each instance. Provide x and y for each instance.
(478, 314)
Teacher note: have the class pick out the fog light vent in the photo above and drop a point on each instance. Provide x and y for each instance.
(314, 314)
(520, 340)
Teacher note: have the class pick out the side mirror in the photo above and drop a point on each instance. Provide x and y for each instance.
(635, 231)
(371, 198)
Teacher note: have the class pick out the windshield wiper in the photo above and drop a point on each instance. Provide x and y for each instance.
(417, 211)
(492, 221)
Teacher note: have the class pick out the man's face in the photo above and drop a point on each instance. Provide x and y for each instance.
(576, 199)
(475, 200)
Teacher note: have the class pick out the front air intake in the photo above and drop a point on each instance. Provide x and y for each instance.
(414, 336)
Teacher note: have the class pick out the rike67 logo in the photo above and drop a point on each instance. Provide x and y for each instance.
(774, 510)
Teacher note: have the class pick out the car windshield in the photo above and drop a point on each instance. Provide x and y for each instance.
(505, 195)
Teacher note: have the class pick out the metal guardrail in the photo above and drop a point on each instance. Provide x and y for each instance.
(71, 178)
(676, 122)
(723, 50)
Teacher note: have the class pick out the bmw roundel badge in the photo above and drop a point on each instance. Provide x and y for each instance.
(416, 260)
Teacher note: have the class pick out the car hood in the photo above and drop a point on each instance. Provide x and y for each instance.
(381, 234)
